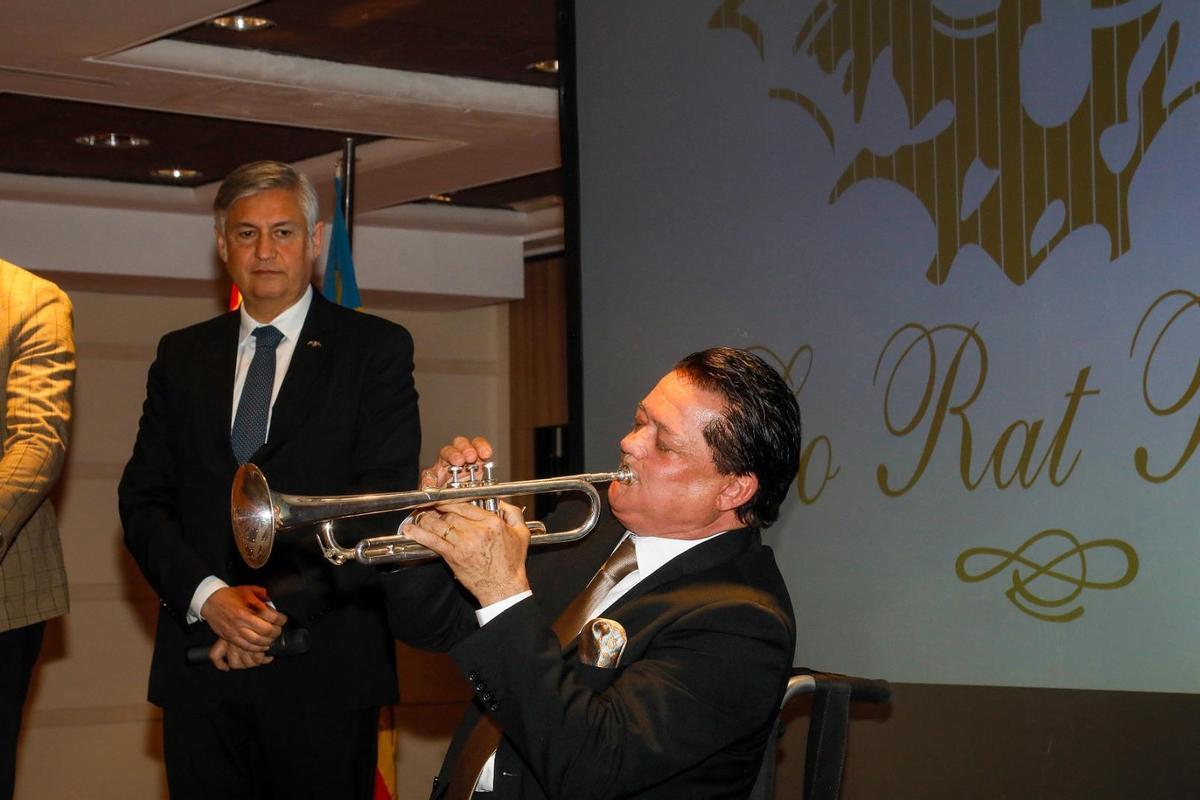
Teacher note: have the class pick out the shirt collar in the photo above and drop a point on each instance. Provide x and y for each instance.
(289, 323)
(655, 551)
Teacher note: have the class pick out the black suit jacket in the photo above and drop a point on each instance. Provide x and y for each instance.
(685, 713)
(345, 420)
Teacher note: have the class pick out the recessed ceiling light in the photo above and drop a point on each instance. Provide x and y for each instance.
(441, 198)
(241, 23)
(119, 141)
(550, 66)
(176, 173)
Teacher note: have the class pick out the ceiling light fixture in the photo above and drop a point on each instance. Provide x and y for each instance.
(118, 141)
(176, 173)
(241, 23)
(441, 198)
(550, 66)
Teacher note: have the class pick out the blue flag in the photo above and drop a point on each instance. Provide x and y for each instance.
(340, 285)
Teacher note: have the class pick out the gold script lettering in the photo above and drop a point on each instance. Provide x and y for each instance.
(1141, 456)
(943, 405)
(936, 405)
(795, 372)
(826, 473)
(1054, 454)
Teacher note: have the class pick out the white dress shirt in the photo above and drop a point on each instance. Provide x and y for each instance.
(289, 323)
(652, 553)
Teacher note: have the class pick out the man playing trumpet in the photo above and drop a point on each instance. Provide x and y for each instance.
(657, 675)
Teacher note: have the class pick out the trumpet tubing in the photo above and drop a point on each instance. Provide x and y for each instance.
(259, 514)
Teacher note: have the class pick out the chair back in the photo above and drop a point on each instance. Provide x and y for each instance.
(828, 729)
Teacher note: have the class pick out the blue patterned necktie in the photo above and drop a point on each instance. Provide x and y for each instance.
(250, 425)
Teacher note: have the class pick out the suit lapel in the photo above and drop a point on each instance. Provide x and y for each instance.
(698, 559)
(306, 372)
(217, 368)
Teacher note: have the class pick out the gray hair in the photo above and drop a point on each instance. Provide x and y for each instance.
(259, 176)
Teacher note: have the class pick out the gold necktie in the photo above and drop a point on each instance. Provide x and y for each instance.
(586, 604)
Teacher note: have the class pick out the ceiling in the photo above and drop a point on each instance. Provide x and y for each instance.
(435, 93)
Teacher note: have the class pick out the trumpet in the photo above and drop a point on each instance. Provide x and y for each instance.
(259, 514)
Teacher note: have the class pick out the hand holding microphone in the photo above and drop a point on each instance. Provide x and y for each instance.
(244, 617)
(249, 628)
(292, 642)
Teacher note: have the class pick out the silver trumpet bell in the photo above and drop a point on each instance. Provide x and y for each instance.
(259, 514)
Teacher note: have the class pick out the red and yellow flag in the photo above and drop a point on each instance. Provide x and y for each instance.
(385, 762)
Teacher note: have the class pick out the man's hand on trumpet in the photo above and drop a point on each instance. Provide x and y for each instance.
(460, 453)
(486, 551)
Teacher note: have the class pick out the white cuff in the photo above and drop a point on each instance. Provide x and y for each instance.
(489, 613)
(204, 591)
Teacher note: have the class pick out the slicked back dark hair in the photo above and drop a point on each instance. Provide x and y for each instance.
(759, 431)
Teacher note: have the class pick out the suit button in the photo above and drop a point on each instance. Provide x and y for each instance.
(473, 676)
(487, 697)
(494, 707)
(480, 687)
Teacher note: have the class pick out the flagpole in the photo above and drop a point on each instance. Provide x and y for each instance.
(385, 734)
(348, 186)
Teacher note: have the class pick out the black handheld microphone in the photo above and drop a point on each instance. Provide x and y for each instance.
(292, 642)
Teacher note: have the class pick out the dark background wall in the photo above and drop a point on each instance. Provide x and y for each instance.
(998, 743)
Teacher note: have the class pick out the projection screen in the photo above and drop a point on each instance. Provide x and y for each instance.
(966, 233)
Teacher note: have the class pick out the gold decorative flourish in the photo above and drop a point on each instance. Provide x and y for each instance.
(961, 82)
(727, 17)
(808, 105)
(1022, 593)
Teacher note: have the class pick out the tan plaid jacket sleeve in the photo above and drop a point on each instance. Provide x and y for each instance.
(37, 355)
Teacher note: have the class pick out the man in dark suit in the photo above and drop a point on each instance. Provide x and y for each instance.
(321, 398)
(661, 678)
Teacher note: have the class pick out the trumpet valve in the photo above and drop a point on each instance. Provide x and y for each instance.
(491, 503)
